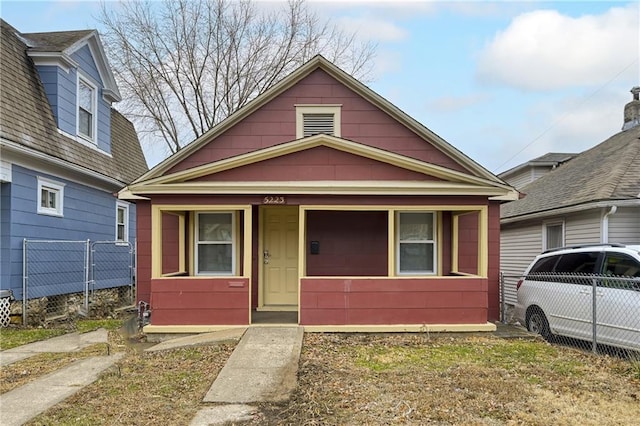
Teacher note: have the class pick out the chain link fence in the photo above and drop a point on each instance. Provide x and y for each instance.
(596, 312)
(62, 278)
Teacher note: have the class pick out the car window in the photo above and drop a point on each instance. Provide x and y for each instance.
(543, 265)
(577, 263)
(621, 265)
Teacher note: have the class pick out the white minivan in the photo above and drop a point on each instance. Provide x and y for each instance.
(556, 294)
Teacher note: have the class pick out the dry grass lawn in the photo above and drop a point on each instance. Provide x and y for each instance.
(374, 379)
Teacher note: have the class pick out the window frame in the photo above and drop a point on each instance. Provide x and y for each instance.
(545, 230)
(124, 206)
(433, 242)
(302, 110)
(52, 187)
(94, 106)
(197, 243)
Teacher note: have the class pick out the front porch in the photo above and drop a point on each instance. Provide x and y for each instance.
(402, 267)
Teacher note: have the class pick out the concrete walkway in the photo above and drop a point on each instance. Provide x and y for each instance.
(26, 402)
(71, 342)
(262, 368)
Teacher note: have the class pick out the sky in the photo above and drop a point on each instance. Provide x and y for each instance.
(503, 82)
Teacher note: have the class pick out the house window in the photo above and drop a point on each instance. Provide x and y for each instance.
(416, 245)
(553, 235)
(122, 222)
(317, 119)
(50, 197)
(215, 244)
(87, 106)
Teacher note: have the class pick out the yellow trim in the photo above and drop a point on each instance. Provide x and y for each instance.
(192, 329)
(302, 253)
(483, 242)
(260, 255)
(391, 243)
(439, 240)
(156, 242)
(401, 328)
(179, 209)
(455, 249)
(302, 109)
(314, 141)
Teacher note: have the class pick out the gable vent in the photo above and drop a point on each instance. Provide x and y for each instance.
(314, 124)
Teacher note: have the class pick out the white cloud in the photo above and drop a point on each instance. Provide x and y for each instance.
(452, 103)
(545, 50)
(368, 27)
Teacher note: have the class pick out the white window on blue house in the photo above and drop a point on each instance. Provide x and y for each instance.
(416, 243)
(215, 243)
(87, 107)
(50, 197)
(122, 222)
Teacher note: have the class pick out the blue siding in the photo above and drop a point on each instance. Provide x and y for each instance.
(61, 89)
(5, 222)
(88, 66)
(49, 78)
(67, 100)
(89, 214)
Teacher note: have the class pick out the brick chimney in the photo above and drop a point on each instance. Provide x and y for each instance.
(632, 110)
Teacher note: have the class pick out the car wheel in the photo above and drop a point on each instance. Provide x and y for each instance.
(537, 323)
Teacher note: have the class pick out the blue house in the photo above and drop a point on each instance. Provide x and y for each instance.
(64, 153)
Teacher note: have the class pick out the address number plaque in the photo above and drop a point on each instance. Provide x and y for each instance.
(274, 199)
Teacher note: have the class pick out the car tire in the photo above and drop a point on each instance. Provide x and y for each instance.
(537, 323)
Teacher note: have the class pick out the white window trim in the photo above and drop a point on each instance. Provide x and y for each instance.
(125, 206)
(94, 106)
(433, 241)
(544, 233)
(233, 244)
(318, 109)
(58, 189)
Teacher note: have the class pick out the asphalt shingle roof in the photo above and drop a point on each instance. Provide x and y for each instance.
(608, 171)
(26, 118)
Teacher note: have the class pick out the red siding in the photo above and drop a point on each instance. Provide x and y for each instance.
(468, 243)
(170, 243)
(188, 301)
(493, 272)
(351, 243)
(143, 251)
(274, 123)
(319, 163)
(388, 301)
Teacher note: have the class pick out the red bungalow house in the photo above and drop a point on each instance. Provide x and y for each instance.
(322, 200)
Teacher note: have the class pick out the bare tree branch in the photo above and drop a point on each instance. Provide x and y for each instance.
(185, 65)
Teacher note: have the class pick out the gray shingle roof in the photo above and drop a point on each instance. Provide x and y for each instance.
(54, 41)
(608, 171)
(26, 118)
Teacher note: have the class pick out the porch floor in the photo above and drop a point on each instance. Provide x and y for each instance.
(274, 317)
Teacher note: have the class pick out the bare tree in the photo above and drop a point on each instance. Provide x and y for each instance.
(185, 65)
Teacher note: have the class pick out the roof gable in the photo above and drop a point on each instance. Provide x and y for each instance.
(319, 63)
(437, 179)
(57, 48)
(28, 127)
(609, 171)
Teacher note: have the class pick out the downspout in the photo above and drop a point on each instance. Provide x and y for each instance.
(605, 224)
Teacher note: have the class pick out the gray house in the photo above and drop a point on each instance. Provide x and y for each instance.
(592, 198)
(64, 153)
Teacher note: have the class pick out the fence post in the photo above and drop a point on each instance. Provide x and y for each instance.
(25, 272)
(87, 276)
(502, 300)
(594, 322)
